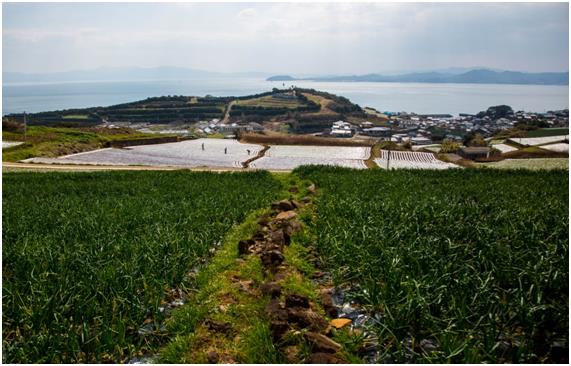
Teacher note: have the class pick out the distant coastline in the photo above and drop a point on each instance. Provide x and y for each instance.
(479, 76)
(423, 98)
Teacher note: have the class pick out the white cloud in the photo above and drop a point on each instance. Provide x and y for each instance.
(288, 37)
(246, 14)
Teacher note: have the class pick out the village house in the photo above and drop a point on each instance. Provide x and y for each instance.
(376, 132)
(366, 124)
(474, 152)
(341, 129)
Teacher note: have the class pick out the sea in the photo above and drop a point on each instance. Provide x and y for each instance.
(422, 98)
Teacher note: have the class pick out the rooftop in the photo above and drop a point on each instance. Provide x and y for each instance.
(475, 149)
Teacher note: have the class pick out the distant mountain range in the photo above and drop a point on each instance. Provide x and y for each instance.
(122, 74)
(450, 75)
(477, 76)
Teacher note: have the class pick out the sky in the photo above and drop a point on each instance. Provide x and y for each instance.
(290, 38)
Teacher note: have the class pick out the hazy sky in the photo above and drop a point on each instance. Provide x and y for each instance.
(286, 38)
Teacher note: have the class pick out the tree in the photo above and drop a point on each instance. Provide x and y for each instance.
(477, 140)
(449, 146)
(496, 112)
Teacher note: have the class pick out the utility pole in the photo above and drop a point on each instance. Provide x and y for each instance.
(389, 145)
(25, 125)
(389, 158)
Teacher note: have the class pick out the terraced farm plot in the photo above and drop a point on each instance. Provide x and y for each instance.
(411, 160)
(292, 156)
(76, 116)
(7, 144)
(185, 154)
(457, 266)
(536, 141)
(435, 148)
(561, 147)
(504, 148)
(531, 164)
(548, 132)
(88, 257)
(270, 102)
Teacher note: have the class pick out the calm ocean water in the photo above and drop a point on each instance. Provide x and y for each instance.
(410, 97)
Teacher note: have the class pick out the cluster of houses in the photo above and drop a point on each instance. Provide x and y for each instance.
(216, 126)
(212, 127)
(457, 127)
(346, 129)
(433, 128)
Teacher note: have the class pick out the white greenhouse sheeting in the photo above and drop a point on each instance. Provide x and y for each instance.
(291, 156)
(411, 160)
(185, 153)
(7, 144)
(534, 141)
(562, 147)
(504, 148)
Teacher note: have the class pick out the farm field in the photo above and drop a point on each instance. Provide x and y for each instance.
(504, 148)
(435, 148)
(185, 154)
(536, 141)
(292, 156)
(270, 102)
(561, 147)
(542, 132)
(411, 160)
(7, 144)
(76, 116)
(50, 142)
(90, 258)
(532, 164)
(454, 266)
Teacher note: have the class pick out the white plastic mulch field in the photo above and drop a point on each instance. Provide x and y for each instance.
(435, 148)
(292, 156)
(411, 160)
(185, 153)
(504, 148)
(561, 147)
(534, 141)
(7, 144)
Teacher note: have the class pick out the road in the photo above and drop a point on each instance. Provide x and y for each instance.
(227, 114)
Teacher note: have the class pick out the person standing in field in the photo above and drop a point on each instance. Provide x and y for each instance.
(203, 146)
(225, 150)
(248, 151)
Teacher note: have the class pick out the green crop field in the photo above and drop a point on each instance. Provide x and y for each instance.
(270, 102)
(472, 263)
(533, 164)
(545, 132)
(456, 266)
(76, 116)
(88, 257)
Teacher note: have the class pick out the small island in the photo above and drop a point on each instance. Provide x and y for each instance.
(281, 78)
